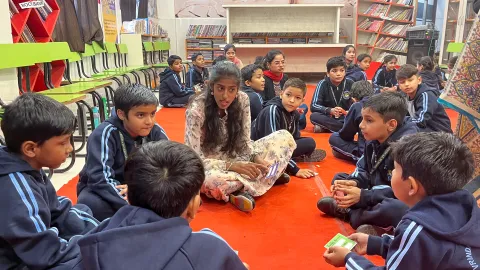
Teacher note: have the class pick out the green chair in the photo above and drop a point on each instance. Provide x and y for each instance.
(160, 47)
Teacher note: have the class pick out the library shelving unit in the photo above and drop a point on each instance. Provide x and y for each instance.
(381, 27)
(210, 46)
(309, 37)
(36, 25)
(456, 25)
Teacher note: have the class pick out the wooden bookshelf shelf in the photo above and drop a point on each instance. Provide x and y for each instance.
(370, 16)
(364, 45)
(200, 37)
(338, 45)
(392, 35)
(209, 53)
(204, 49)
(385, 49)
(398, 21)
(366, 31)
(400, 5)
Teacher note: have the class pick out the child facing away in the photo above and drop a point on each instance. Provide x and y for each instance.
(198, 74)
(385, 77)
(424, 110)
(440, 231)
(430, 79)
(281, 113)
(331, 99)
(348, 54)
(164, 180)
(172, 93)
(101, 185)
(231, 55)
(219, 58)
(365, 197)
(343, 142)
(253, 84)
(357, 73)
(39, 230)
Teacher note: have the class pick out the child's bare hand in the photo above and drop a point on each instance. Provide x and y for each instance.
(305, 173)
(336, 256)
(349, 183)
(123, 191)
(362, 241)
(352, 196)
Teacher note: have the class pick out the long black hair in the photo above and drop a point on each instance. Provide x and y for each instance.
(234, 143)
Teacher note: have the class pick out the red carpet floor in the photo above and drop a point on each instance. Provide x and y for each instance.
(285, 231)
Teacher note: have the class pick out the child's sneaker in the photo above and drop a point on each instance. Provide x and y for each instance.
(374, 230)
(319, 129)
(328, 206)
(243, 201)
(283, 179)
(316, 156)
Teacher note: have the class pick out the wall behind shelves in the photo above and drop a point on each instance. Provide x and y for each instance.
(8, 77)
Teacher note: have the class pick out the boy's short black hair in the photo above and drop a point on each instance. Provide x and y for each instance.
(406, 71)
(427, 63)
(452, 61)
(362, 56)
(171, 59)
(195, 55)
(37, 118)
(361, 89)
(438, 160)
(259, 60)
(297, 83)
(390, 105)
(248, 71)
(163, 176)
(220, 58)
(128, 96)
(336, 61)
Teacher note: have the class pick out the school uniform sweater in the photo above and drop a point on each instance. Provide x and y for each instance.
(256, 101)
(171, 87)
(384, 78)
(138, 238)
(269, 91)
(196, 75)
(107, 149)
(275, 117)
(328, 96)
(39, 230)
(430, 80)
(350, 69)
(352, 123)
(439, 232)
(426, 112)
(357, 74)
(375, 184)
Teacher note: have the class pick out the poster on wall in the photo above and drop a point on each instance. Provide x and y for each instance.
(214, 9)
(109, 20)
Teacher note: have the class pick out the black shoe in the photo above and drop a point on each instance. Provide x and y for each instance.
(243, 201)
(328, 206)
(283, 179)
(374, 230)
(316, 156)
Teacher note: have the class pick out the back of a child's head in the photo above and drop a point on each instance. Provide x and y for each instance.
(37, 118)
(406, 71)
(128, 96)
(390, 105)
(452, 62)
(172, 58)
(439, 161)
(427, 63)
(361, 89)
(297, 83)
(220, 58)
(259, 60)
(336, 62)
(164, 177)
(248, 71)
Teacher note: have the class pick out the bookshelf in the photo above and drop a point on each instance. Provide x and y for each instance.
(381, 27)
(205, 39)
(309, 37)
(36, 25)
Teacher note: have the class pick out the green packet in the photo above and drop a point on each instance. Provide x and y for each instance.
(340, 240)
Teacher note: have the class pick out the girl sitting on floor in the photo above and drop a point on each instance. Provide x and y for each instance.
(349, 53)
(218, 129)
(231, 55)
(385, 76)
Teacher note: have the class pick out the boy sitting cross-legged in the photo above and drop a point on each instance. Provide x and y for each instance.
(365, 197)
(281, 113)
(101, 185)
(422, 104)
(153, 232)
(172, 92)
(440, 231)
(38, 230)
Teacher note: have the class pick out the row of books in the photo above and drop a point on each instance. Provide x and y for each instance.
(45, 10)
(371, 25)
(204, 43)
(405, 2)
(390, 43)
(377, 10)
(27, 35)
(395, 29)
(269, 35)
(148, 26)
(13, 8)
(207, 31)
(207, 55)
(401, 15)
(302, 40)
(401, 59)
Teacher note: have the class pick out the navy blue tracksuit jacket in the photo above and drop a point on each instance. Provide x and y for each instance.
(171, 87)
(138, 238)
(256, 101)
(440, 232)
(357, 74)
(104, 164)
(384, 78)
(38, 229)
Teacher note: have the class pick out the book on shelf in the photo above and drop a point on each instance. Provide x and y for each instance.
(405, 2)
(401, 59)
(207, 31)
(279, 34)
(401, 15)
(13, 8)
(395, 29)
(370, 25)
(207, 55)
(390, 43)
(44, 11)
(377, 10)
(27, 35)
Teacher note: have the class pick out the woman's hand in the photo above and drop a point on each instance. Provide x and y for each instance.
(257, 159)
(250, 169)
